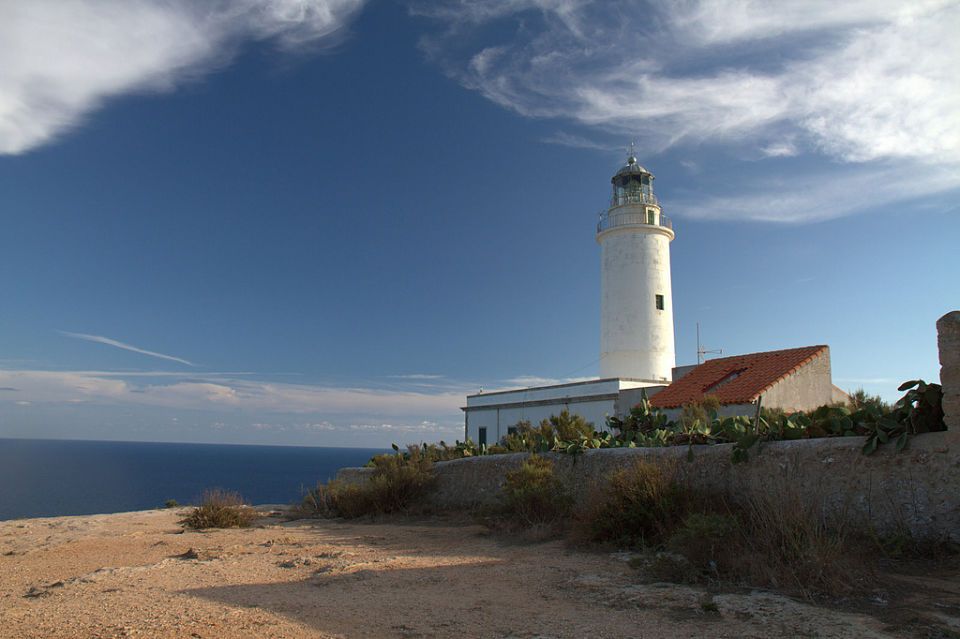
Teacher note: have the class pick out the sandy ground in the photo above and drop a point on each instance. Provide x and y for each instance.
(140, 575)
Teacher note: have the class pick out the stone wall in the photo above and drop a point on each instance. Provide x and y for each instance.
(948, 338)
(916, 490)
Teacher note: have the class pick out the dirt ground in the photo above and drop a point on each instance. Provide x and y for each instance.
(140, 575)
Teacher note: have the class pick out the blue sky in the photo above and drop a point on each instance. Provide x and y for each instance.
(323, 222)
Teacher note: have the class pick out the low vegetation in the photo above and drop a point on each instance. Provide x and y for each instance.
(533, 496)
(788, 539)
(220, 509)
(398, 483)
(918, 411)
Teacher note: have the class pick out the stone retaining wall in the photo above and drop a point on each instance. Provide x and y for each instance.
(916, 490)
(948, 340)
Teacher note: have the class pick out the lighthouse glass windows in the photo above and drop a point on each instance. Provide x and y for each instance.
(659, 302)
(632, 188)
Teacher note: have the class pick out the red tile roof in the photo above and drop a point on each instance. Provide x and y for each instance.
(735, 380)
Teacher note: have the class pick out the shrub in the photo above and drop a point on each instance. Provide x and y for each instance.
(638, 506)
(861, 399)
(566, 426)
(705, 540)
(171, 503)
(533, 495)
(699, 412)
(220, 509)
(398, 482)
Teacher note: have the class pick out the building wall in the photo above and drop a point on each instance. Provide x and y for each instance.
(593, 400)
(497, 420)
(636, 339)
(806, 389)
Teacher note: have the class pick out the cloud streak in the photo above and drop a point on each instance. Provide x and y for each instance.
(190, 392)
(99, 339)
(60, 61)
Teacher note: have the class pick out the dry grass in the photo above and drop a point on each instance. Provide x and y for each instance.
(220, 509)
(800, 542)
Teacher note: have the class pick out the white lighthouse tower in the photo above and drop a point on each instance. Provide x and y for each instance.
(636, 304)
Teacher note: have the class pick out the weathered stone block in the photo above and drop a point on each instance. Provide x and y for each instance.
(948, 340)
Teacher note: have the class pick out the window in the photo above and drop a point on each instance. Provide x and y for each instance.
(482, 437)
(659, 302)
(651, 216)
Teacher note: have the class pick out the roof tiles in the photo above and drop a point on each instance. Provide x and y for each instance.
(735, 380)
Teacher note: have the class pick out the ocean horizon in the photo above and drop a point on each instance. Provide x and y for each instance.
(57, 477)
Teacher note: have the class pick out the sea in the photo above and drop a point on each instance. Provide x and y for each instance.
(49, 478)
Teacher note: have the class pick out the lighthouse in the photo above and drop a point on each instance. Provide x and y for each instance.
(636, 304)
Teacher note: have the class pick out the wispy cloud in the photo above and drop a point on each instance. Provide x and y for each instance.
(190, 392)
(870, 83)
(416, 376)
(62, 60)
(562, 138)
(99, 339)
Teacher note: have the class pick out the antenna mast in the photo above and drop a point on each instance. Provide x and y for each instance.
(701, 350)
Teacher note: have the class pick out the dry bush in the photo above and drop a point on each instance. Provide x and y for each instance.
(637, 507)
(397, 484)
(801, 542)
(220, 509)
(780, 536)
(533, 496)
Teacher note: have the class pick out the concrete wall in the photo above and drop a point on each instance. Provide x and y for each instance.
(497, 420)
(917, 490)
(948, 340)
(636, 339)
(808, 388)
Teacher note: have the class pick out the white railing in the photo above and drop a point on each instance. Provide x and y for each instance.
(622, 218)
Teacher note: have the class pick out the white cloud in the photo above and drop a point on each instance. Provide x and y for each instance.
(866, 82)
(99, 339)
(60, 60)
(254, 396)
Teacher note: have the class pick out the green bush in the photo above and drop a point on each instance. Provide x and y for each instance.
(398, 483)
(171, 503)
(533, 495)
(220, 509)
(701, 412)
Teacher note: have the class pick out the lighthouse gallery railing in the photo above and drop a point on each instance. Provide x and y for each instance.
(610, 220)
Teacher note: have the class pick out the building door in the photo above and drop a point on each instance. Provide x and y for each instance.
(482, 436)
